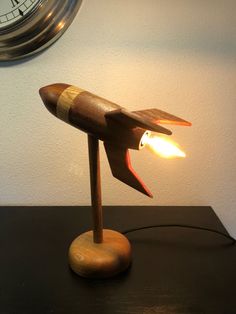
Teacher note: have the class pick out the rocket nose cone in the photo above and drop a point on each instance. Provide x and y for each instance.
(50, 95)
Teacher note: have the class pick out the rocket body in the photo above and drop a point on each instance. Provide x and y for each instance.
(90, 113)
(118, 128)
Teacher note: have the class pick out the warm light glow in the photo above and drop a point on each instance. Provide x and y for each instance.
(49, 15)
(61, 25)
(163, 146)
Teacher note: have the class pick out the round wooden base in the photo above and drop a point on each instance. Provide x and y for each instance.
(100, 260)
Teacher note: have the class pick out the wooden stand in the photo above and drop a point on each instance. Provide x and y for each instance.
(98, 253)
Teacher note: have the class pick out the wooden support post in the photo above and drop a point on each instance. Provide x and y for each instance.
(95, 183)
(98, 253)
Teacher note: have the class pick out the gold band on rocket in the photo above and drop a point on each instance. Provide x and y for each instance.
(65, 100)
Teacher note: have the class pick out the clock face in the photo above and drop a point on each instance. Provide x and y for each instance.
(29, 26)
(12, 11)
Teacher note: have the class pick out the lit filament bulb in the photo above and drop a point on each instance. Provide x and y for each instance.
(163, 146)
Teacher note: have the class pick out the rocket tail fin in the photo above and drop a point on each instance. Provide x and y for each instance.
(119, 160)
(157, 116)
(133, 119)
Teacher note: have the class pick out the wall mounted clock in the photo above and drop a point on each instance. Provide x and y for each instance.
(28, 26)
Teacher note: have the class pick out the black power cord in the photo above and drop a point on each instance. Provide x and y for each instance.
(182, 226)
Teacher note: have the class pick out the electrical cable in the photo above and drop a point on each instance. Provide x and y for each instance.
(182, 226)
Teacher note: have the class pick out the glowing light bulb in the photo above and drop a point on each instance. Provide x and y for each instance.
(163, 146)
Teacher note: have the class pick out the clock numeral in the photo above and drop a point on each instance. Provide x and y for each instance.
(15, 3)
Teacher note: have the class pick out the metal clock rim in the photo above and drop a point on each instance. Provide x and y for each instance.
(38, 30)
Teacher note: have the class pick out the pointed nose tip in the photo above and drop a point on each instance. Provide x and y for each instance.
(50, 95)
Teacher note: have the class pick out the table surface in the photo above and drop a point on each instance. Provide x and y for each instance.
(174, 270)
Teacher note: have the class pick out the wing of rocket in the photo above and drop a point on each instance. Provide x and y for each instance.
(133, 119)
(119, 160)
(162, 117)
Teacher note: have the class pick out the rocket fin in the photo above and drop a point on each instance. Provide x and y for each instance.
(133, 119)
(162, 117)
(119, 160)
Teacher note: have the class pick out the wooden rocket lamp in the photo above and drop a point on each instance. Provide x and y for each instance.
(103, 253)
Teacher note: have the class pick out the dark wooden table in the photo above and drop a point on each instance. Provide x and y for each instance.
(174, 270)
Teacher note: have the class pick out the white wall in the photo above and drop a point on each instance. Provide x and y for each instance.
(178, 56)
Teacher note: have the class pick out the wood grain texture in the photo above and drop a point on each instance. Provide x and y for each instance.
(50, 95)
(95, 185)
(132, 119)
(120, 164)
(88, 114)
(158, 116)
(66, 100)
(118, 128)
(100, 260)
